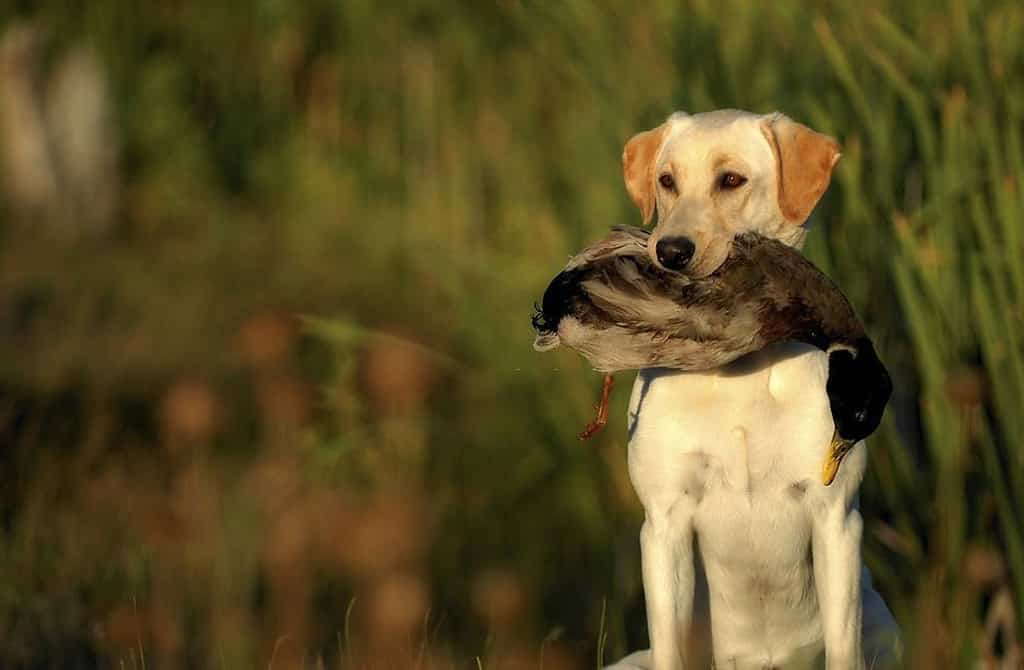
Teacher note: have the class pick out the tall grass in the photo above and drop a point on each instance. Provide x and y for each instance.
(284, 409)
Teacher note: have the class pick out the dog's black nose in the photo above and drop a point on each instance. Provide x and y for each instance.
(675, 252)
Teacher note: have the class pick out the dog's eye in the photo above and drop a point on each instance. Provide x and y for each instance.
(667, 181)
(731, 180)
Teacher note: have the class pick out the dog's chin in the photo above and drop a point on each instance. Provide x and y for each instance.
(701, 270)
(696, 270)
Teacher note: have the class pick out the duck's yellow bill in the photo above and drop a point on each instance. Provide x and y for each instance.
(838, 449)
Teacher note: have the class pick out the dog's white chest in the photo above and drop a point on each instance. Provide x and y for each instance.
(744, 446)
(747, 430)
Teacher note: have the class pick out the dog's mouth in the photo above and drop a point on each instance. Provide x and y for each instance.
(705, 262)
(710, 253)
(694, 268)
(699, 268)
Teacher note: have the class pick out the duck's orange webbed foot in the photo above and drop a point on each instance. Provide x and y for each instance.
(601, 420)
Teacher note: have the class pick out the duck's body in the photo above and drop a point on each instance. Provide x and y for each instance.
(617, 308)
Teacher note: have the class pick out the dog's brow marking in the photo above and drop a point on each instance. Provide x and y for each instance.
(725, 160)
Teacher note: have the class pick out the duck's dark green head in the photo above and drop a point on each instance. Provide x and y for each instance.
(858, 390)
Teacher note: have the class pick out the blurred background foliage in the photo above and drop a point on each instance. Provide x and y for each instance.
(267, 396)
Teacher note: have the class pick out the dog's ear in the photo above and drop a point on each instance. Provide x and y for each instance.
(638, 168)
(804, 159)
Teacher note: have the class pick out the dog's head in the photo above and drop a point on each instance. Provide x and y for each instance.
(712, 176)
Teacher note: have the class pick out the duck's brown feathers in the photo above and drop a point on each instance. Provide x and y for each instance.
(617, 308)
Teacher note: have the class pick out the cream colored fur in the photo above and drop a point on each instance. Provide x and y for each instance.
(749, 561)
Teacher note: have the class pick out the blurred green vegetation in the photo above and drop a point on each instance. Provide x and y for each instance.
(267, 395)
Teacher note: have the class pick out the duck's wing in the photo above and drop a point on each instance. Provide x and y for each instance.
(796, 300)
(629, 313)
(765, 292)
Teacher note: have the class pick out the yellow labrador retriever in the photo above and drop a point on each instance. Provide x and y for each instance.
(749, 561)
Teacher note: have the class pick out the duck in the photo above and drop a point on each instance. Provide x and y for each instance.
(615, 306)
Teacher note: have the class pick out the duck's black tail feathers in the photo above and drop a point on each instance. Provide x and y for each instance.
(556, 304)
(540, 321)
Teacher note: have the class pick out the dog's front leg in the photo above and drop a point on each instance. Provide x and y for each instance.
(836, 538)
(666, 545)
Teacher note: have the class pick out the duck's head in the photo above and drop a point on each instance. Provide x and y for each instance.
(858, 390)
(712, 176)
